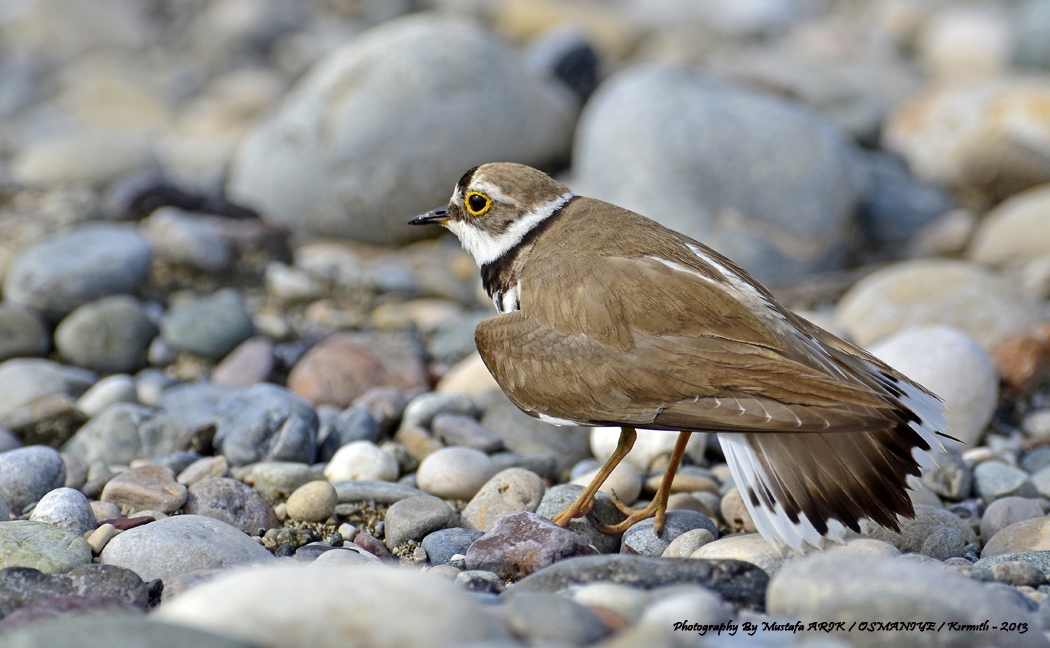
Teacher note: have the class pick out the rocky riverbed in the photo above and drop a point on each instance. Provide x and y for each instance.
(240, 403)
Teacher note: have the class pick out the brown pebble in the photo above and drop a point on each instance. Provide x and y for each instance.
(417, 442)
(372, 545)
(123, 523)
(1023, 359)
(611, 619)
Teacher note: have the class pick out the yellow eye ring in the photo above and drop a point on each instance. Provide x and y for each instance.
(477, 203)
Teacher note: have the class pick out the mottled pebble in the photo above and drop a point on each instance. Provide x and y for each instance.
(185, 238)
(994, 480)
(415, 517)
(547, 617)
(312, 502)
(943, 543)
(509, 491)
(203, 468)
(454, 473)
(118, 388)
(385, 404)
(181, 544)
(738, 582)
(463, 430)
(250, 363)
(210, 326)
(735, 512)
(24, 543)
(1005, 511)
(265, 423)
(523, 543)
(104, 510)
(67, 509)
(77, 266)
(1040, 559)
(361, 460)
(641, 539)
(335, 606)
(442, 544)
(145, 487)
(124, 432)
(232, 502)
(25, 380)
(27, 474)
(109, 335)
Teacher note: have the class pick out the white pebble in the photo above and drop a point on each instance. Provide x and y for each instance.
(361, 460)
(454, 473)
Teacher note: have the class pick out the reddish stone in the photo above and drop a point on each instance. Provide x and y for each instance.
(248, 364)
(372, 545)
(344, 366)
(1023, 359)
(522, 543)
(123, 523)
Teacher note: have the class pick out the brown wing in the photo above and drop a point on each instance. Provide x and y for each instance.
(634, 341)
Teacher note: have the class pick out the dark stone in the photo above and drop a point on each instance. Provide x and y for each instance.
(309, 552)
(177, 461)
(479, 580)
(232, 502)
(523, 543)
(20, 586)
(352, 424)
(441, 545)
(123, 523)
(47, 609)
(737, 582)
(265, 423)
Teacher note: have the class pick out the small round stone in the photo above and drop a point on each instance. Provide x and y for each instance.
(210, 326)
(421, 410)
(641, 539)
(232, 502)
(509, 491)
(67, 509)
(697, 604)
(1003, 512)
(312, 502)
(735, 512)
(146, 488)
(994, 480)
(548, 617)
(415, 517)
(443, 544)
(361, 460)
(118, 388)
(27, 474)
(686, 544)
(625, 482)
(454, 473)
(108, 335)
(944, 543)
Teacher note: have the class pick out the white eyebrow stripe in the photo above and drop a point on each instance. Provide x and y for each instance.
(493, 192)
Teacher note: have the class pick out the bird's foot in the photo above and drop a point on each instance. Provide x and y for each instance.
(576, 510)
(634, 516)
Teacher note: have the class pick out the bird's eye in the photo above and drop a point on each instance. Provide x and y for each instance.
(477, 203)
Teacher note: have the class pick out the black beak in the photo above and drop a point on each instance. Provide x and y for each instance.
(432, 217)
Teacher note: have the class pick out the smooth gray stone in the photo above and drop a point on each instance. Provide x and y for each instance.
(42, 546)
(640, 538)
(194, 404)
(371, 490)
(737, 582)
(545, 616)
(898, 205)
(232, 502)
(66, 508)
(558, 498)
(763, 181)
(124, 432)
(442, 544)
(993, 480)
(352, 424)
(265, 423)
(422, 409)
(27, 474)
(109, 335)
(26, 380)
(108, 630)
(210, 326)
(22, 334)
(180, 544)
(460, 430)
(78, 266)
(414, 517)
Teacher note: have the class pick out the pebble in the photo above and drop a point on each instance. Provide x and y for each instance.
(180, 544)
(935, 291)
(210, 326)
(1005, 511)
(9, 440)
(535, 126)
(1014, 231)
(43, 546)
(312, 502)
(1036, 459)
(697, 604)
(116, 627)
(251, 362)
(23, 381)
(915, 531)
(509, 491)
(100, 537)
(145, 488)
(124, 432)
(423, 409)
(950, 478)
(370, 490)
(78, 266)
(628, 602)
(23, 585)
(231, 502)
(560, 497)
(523, 543)
(361, 460)
(734, 512)
(1018, 574)
(525, 435)
(649, 448)
(454, 473)
(201, 469)
(641, 539)
(952, 365)
(993, 480)
(1040, 559)
(417, 445)
(118, 388)
(66, 508)
(188, 239)
(685, 545)
(265, 423)
(1023, 359)
(104, 510)
(737, 582)
(344, 366)
(460, 430)
(385, 404)
(1027, 535)
(443, 544)
(24, 333)
(27, 474)
(725, 146)
(943, 543)
(547, 617)
(749, 547)
(276, 480)
(625, 482)
(350, 425)
(108, 335)
(860, 588)
(365, 604)
(352, 555)
(469, 376)
(481, 581)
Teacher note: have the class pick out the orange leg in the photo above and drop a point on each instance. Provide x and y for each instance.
(583, 504)
(658, 506)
